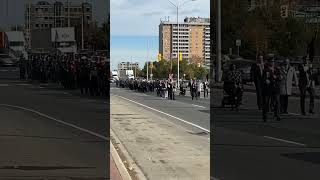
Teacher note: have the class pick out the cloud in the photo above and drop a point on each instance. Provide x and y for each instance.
(155, 13)
(142, 17)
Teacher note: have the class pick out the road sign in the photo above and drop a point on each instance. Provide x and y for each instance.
(238, 42)
(151, 75)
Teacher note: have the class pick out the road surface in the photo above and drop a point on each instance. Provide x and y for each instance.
(50, 133)
(244, 147)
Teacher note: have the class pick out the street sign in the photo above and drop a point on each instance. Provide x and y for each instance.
(170, 76)
(151, 75)
(238, 42)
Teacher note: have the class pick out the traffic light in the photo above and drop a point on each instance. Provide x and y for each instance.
(180, 56)
(284, 11)
(159, 57)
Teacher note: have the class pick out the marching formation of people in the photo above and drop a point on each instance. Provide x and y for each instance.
(89, 74)
(274, 82)
(166, 89)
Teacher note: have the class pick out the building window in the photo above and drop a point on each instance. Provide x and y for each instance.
(88, 9)
(37, 25)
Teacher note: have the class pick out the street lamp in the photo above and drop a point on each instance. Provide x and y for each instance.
(178, 6)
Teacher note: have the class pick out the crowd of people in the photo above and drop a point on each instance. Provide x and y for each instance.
(274, 83)
(89, 74)
(166, 89)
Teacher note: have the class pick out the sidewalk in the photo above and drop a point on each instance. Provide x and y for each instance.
(155, 146)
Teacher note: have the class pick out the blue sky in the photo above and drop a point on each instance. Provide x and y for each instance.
(123, 48)
(134, 22)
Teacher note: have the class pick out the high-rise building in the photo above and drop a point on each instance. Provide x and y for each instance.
(194, 39)
(44, 15)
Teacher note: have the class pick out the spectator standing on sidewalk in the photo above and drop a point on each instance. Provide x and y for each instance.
(288, 74)
(306, 84)
(199, 90)
(193, 91)
(170, 89)
(205, 89)
(256, 73)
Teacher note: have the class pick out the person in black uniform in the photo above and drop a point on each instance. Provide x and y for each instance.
(256, 73)
(271, 78)
(306, 84)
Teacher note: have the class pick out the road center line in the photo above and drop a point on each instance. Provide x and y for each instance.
(164, 113)
(198, 106)
(282, 140)
(57, 120)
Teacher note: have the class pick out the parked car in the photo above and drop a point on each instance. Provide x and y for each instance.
(7, 61)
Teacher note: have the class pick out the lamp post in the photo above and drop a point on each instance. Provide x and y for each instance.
(218, 64)
(178, 6)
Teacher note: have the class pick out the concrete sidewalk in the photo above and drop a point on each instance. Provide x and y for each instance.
(153, 147)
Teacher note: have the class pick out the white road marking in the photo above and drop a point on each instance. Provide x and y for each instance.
(295, 114)
(282, 140)
(198, 106)
(4, 85)
(165, 114)
(22, 84)
(4, 70)
(59, 121)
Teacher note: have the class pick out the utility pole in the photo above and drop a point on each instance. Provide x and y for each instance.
(148, 60)
(29, 22)
(68, 13)
(178, 80)
(218, 60)
(82, 24)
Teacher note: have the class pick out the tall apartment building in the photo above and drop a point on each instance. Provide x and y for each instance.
(194, 39)
(45, 15)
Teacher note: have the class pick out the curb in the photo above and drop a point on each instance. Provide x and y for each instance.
(129, 165)
(119, 164)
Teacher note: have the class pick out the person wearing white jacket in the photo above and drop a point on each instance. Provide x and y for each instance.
(288, 74)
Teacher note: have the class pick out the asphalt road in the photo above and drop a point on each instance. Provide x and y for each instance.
(194, 113)
(50, 133)
(244, 147)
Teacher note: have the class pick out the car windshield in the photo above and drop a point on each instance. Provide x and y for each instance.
(4, 56)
